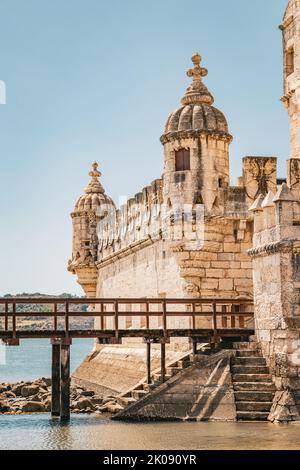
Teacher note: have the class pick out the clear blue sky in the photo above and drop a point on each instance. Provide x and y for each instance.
(95, 80)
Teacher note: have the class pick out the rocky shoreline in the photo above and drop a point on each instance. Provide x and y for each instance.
(35, 397)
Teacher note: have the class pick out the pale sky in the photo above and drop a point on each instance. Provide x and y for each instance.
(95, 80)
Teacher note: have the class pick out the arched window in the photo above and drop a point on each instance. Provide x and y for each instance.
(182, 160)
(289, 61)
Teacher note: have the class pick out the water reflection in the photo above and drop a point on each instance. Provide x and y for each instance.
(92, 432)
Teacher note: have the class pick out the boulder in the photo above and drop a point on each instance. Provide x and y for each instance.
(29, 390)
(47, 404)
(84, 403)
(9, 394)
(16, 389)
(33, 407)
(4, 406)
(87, 393)
(97, 400)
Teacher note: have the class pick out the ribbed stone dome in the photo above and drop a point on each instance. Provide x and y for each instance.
(196, 115)
(94, 193)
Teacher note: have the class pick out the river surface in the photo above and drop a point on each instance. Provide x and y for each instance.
(32, 359)
(98, 433)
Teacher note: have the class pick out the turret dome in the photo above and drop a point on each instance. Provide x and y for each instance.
(94, 193)
(196, 115)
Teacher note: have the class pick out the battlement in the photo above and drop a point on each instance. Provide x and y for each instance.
(277, 215)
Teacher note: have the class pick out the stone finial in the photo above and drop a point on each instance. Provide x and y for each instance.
(94, 186)
(284, 194)
(256, 206)
(197, 72)
(197, 93)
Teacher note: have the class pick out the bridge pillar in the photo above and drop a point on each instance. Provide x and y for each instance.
(55, 384)
(65, 381)
(163, 361)
(148, 345)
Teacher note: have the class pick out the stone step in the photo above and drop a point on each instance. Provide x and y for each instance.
(173, 370)
(253, 396)
(245, 369)
(125, 401)
(157, 378)
(183, 363)
(248, 353)
(252, 415)
(137, 394)
(148, 387)
(249, 361)
(251, 378)
(245, 345)
(253, 406)
(267, 386)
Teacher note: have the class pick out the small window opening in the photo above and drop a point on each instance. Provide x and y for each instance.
(289, 62)
(182, 160)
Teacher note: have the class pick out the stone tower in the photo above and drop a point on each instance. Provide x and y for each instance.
(85, 218)
(196, 147)
(291, 55)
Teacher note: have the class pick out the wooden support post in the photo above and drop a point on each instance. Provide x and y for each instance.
(102, 317)
(194, 348)
(55, 318)
(214, 306)
(14, 321)
(6, 317)
(116, 305)
(65, 381)
(164, 307)
(163, 361)
(148, 345)
(55, 384)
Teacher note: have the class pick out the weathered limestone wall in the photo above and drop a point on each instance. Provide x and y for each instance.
(202, 392)
(275, 254)
(291, 53)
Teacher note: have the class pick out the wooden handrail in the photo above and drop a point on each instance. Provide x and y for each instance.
(209, 308)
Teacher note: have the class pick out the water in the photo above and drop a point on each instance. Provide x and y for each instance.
(32, 359)
(97, 433)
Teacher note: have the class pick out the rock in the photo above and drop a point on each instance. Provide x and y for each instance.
(3, 388)
(108, 399)
(9, 394)
(29, 390)
(47, 405)
(84, 403)
(47, 381)
(35, 398)
(87, 393)
(4, 406)
(16, 389)
(33, 406)
(97, 401)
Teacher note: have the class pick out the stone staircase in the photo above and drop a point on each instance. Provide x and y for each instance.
(253, 387)
(143, 388)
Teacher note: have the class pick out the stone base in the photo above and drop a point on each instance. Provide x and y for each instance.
(286, 407)
(201, 392)
(112, 370)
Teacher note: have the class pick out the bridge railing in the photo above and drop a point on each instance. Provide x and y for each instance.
(62, 314)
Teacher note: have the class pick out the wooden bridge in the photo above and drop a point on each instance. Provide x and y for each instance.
(154, 320)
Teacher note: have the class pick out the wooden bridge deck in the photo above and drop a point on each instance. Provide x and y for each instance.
(205, 320)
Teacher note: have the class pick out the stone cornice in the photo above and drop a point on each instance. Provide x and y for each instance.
(134, 247)
(284, 246)
(194, 134)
